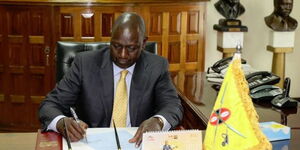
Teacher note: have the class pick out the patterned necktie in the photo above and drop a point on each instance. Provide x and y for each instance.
(121, 101)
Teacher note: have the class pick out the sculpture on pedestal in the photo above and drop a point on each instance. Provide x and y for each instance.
(280, 20)
(230, 9)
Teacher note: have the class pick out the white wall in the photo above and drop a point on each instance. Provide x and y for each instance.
(256, 39)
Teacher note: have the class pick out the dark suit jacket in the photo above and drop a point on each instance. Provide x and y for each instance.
(88, 86)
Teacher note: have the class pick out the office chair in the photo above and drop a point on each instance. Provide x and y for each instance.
(66, 52)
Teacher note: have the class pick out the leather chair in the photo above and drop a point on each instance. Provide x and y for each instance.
(66, 52)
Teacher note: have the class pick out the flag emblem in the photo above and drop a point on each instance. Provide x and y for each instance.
(219, 116)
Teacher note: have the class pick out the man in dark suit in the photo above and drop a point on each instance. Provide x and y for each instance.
(280, 20)
(230, 9)
(91, 87)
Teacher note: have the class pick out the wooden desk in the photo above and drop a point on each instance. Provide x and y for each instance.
(198, 98)
(17, 141)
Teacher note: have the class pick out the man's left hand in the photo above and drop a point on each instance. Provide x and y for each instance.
(151, 124)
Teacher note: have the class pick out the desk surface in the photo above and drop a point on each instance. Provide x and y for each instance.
(17, 141)
(198, 98)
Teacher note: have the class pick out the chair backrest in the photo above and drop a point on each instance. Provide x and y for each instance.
(66, 52)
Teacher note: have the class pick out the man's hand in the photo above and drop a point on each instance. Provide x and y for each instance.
(76, 132)
(151, 124)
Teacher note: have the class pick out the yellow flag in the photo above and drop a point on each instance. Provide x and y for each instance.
(233, 124)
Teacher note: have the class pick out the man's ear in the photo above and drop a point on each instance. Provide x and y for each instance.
(145, 41)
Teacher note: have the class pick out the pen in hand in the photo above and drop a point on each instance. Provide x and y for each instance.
(77, 121)
(67, 135)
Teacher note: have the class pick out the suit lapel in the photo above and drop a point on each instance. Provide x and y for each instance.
(139, 79)
(106, 86)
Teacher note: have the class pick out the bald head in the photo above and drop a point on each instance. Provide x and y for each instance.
(128, 39)
(130, 21)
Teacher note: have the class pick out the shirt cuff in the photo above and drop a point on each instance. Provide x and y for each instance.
(167, 125)
(52, 125)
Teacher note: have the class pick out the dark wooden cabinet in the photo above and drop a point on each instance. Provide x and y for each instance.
(26, 67)
(29, 31)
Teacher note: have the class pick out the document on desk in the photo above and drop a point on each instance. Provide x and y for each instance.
(173, 140)
(104, 139)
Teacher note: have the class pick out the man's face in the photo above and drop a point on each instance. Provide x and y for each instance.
(126, 46)
(284, 7)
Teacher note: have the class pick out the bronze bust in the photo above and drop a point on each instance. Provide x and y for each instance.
(280, 20)
(230, 9)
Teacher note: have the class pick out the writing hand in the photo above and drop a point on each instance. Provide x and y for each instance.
(151, 124)
(76, 132)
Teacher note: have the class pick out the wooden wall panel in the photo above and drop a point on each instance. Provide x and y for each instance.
(26, 57)
(36, 20)
(36, 55)
(107, 21)
(193, 22)
(155, 23)
(1, 84)
(16, 51)
(17, 88)
(17, 28)
(38, 68)
(66, 24)
(174, 52)
(2, 50)
(3, 75)
(1, 59)
(178, 30)
(159, 48)
(15, 22)
(87, 24)
(181, 25)
(192, 51)
(96, 28)
(175, 22)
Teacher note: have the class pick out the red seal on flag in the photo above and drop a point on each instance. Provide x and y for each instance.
(219, 116)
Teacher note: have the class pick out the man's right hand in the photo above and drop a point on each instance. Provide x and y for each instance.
(76, 131)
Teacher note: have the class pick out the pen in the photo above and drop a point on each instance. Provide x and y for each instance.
(117, 137)
(77, 120)
(67, 136)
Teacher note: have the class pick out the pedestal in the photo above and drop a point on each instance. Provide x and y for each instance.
(227, 42)
(280, 43)
(281, 39)
(278, 62)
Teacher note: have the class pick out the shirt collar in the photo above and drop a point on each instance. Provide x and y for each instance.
(117, 69)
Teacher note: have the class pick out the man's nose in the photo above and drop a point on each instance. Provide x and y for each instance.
(124, 53)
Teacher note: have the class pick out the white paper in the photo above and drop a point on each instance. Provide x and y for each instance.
(104, 139)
